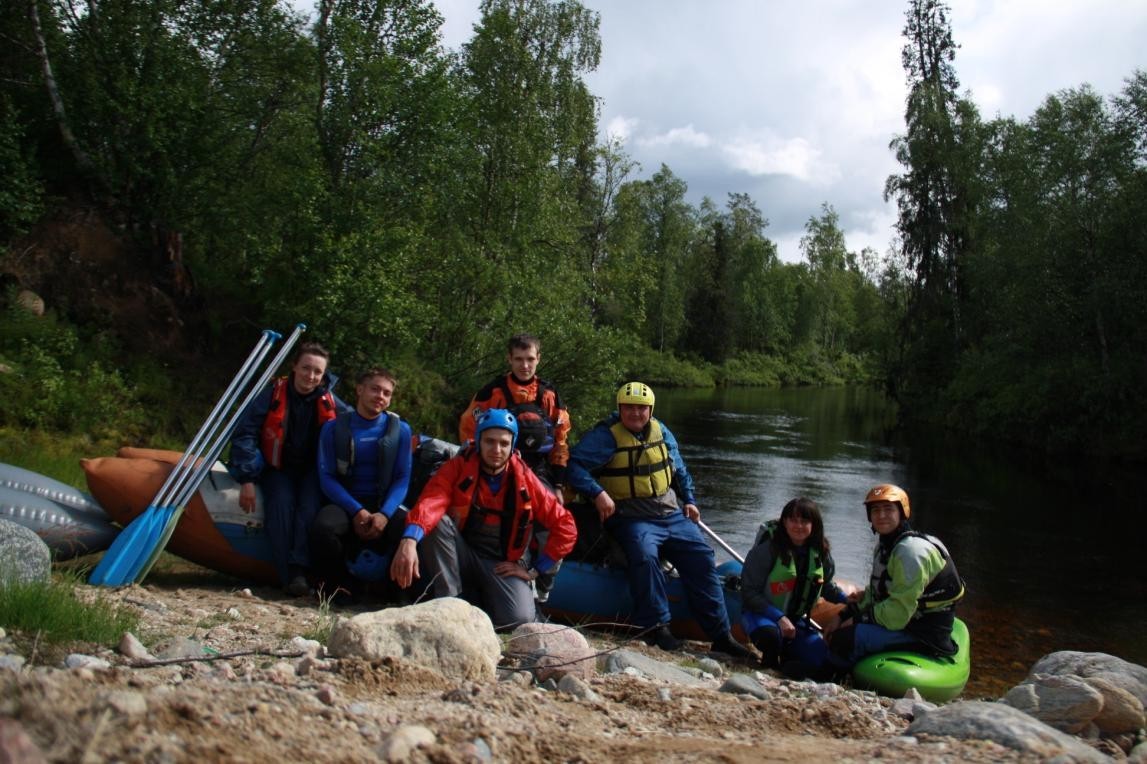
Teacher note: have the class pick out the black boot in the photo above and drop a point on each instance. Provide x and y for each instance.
(731, 647)
(767, 639)
(660, 636)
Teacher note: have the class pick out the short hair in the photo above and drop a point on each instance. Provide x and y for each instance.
(523, 341)
(312, 348)
(377, 371)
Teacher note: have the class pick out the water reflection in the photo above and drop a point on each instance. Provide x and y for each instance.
(1050, 551)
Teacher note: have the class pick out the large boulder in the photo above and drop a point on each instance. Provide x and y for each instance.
(1010, 727)
(1130, 676)
(1122, 711)
(447, 635)
(24, 557)
(554, 650)
(1067, 703)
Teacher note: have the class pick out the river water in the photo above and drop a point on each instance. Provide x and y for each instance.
(1052, 553)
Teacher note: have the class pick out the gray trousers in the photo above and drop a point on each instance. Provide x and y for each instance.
(456, 570)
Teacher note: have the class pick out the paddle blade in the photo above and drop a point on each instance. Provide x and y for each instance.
(123, 552)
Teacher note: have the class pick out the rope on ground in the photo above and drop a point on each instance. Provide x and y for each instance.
(602, 624)
(216, 657)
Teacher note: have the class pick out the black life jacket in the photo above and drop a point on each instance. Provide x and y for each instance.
(535, 429)
(388, 446)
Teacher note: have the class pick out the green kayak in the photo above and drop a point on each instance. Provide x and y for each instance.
(936, 679)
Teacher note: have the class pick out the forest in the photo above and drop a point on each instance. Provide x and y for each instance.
(243, 166)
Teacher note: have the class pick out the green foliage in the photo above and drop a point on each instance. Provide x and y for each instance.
(667, 370)
(51, 612)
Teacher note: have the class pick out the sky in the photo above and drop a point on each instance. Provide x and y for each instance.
(795, 103)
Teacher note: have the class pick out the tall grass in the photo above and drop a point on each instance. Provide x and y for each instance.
(52, 613)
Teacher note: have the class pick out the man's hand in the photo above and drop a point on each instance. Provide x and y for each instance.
(404, 567)
(247, 497)
(605, 505)
(692, 512)
(507, 569)
(368, 525)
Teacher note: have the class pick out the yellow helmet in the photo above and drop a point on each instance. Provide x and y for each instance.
(889, 492)
(635, 392)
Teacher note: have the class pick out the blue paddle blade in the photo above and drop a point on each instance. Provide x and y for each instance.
(123, 551)
(162, 536)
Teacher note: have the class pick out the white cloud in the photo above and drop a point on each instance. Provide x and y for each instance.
(678, 136)
(621, 128)
(769, 155)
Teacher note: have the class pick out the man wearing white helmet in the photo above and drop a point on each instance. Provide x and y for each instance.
(630, 467)
(474, 520)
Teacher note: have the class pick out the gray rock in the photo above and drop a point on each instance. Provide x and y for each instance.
(400, 744)
(131, 647)
(912, 705)
(1003, 724)
(79, 661)
(1065, 702)
(180, 647)
(24, 557)
(1138, 754)
(310, 648)
(12, 662)
(556, 650)
(621, 660)
(447, 635)
(743, 684)
(664, 694)
(127, 702)
(1130, 676)
(710, 666)
(571, 684)
(1121, 712)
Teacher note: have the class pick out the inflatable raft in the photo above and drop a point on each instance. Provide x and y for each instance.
(69, 521)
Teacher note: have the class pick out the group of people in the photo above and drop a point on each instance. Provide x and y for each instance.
(490, 525)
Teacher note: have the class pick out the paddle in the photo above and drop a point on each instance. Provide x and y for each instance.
(112, 569)
(721, 542)
(162, 532)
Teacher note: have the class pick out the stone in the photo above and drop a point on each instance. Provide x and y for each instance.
(1130, 676)
(24, 557)
(30, 301)
(710, 666)
(571, 684)
(12, 663)
(447, 635)
(180, 647)
(127, 702)
(311, 648)
(131, 647)
(17, 746)
(743, 684)
(1005, 725)
(79, 661)
(1121, 712)
(912, 705)
(630, 662)
(554, 649)
(1138, 754)
(326, 695)
(1067, 703)
(400, 744)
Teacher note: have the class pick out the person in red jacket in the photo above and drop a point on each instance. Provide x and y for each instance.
(474, 521)
(543, 421)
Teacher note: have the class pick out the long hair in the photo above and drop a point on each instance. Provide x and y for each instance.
(804, 508)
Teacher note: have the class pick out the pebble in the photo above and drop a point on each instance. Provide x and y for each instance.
(131, 647)
(79, 661)
(245, 594)
(711, 666)
(234, 614)
(743, 684)
(400, 744)
(17, 746)
(577, 687)
(664, 695)
(326, 695)
(128, 703)
(12, 662)
(310, 647)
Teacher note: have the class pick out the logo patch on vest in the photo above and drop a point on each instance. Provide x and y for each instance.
(778, 588)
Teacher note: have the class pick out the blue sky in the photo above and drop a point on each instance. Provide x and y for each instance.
(795, 103)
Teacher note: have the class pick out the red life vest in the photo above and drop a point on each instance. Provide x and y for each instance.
(274, 428)
(515, 515)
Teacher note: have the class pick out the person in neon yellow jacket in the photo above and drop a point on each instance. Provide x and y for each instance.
(910, 601)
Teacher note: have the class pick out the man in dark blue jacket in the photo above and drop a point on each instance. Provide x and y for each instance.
(275, 446)
(364, 465)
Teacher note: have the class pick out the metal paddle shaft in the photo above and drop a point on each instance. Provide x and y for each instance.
(177, 474)
(721, 542)
(124, 551)
(188, 488)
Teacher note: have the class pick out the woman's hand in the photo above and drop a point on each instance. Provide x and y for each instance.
(788, 631)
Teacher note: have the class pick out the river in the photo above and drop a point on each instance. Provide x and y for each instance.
(1050, 551)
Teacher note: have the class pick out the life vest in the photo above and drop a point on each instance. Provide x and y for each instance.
(793, 591)
(638, 468)
(535, 428)
(941, 593)
(514, 517)
(274, 432)
(388, 446)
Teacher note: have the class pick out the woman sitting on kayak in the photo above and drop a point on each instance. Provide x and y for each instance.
(786, 571)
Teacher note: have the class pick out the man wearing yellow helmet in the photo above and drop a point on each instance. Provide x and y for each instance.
(910, 602)
(631, 468)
